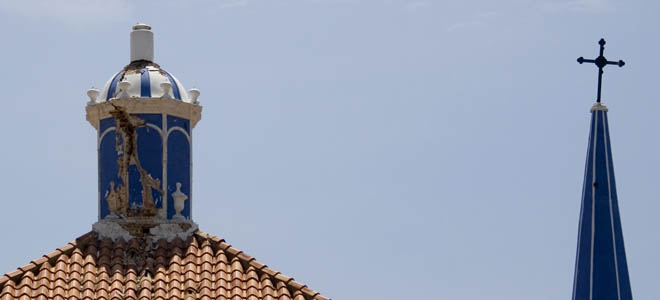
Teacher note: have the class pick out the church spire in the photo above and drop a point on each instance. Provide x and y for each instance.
(601, 270)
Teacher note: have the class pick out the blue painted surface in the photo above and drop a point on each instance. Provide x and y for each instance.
(150, 153)
(178, 122)
(145, 84)
(155, 119)
(113, 85)
(178, 170)
(175, 87)
(135, 188)
(105, 124)
(601, 270)
(107, 170)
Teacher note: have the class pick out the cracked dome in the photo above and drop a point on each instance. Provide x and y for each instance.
(143, 79)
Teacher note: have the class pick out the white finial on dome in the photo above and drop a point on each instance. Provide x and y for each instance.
(194, 93)
(123, 89)
(166, 86)
(92, 93)
(142, 43)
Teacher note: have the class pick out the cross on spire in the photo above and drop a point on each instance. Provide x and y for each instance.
(600, 62)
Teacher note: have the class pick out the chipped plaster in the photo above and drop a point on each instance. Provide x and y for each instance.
(170, 231)
(127, 149)
(111, 230)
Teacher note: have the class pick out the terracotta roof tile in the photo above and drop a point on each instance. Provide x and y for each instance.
(27, 267)
(204, 267)
(130, 284)
(283, 277)
(8, 291)
(14, 274)
(45, 276)
(3, 279)
(39, 261)
(253, 284)
(257, 264)
(24, 290)
(175, 271)
(52, 255)
(102, 293)
(267, 289)
(222, 275)
(145, 289)
(283, 291)
(297, 295)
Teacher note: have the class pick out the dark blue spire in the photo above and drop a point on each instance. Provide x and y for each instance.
(601, 270)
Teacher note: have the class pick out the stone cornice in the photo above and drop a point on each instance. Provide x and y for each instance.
(100, 111)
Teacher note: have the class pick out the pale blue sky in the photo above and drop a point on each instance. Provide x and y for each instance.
(372, 149)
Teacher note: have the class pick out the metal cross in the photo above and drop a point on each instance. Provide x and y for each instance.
(600, 62)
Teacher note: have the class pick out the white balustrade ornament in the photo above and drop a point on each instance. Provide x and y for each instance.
(166, 86)
(179, 201)
(123, 89)
(92, 93)
(194, 93)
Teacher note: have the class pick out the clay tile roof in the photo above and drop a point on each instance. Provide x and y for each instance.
(203, 267)
(8, 291)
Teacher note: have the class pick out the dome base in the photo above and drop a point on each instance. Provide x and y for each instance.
(172, 107)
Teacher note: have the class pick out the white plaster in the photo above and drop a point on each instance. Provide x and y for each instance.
(194, 95)
(179, 201)
(170, 231)
(124, 87)
(177, 128)
(149, 125)
(157, 77)
(598, 107)
(92, 93)
(109, 129)
(172, 107)
(142, 43)
(142, 49)
(163, 211)
(111, 229)
(165, 87)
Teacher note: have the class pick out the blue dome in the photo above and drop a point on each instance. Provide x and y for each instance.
(143, 79)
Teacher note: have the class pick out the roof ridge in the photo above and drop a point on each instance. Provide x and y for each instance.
(251, 261)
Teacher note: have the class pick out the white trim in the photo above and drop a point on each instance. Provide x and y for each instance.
(189, 138)
(190, 187)
(171, 107)
(178, 128)
(598, 107)
(98, 171)
(593, 207)
(164, 161)
(98, 142)
(157, 129)
(609, 193)
(164, 149)
(98, 158)
(577, 252)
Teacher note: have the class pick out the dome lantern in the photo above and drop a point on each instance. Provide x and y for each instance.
(144, 120)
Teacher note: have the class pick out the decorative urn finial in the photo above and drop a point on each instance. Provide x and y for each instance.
(179, 201)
